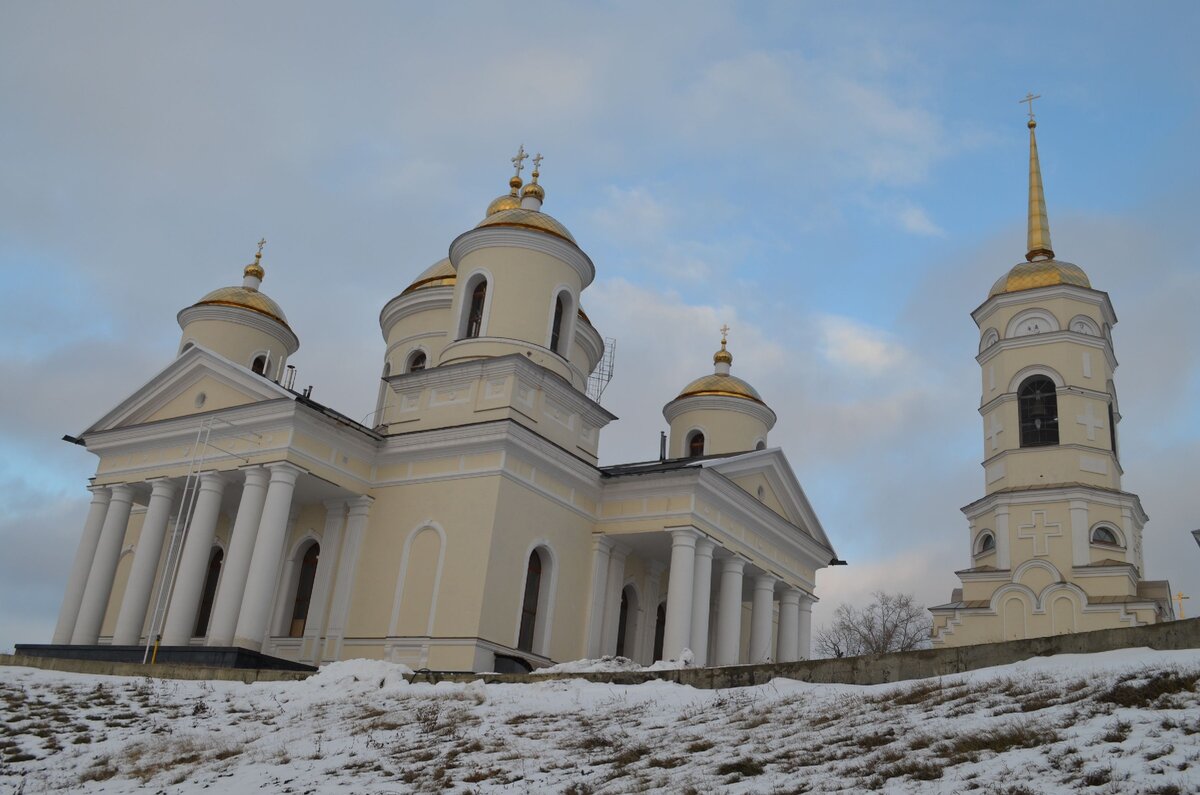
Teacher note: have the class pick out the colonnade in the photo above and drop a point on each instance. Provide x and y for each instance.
(689, 597)
(241, 611)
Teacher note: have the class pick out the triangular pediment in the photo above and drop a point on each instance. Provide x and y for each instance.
(198, 381)
(782, 492)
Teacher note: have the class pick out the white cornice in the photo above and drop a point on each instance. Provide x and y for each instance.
(1097, 494)
(1097, 298)
(1047, 338)
(244, 317)
(759, 411)
(423, 300)
(514, 237)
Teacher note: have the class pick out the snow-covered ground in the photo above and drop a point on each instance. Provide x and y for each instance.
(1119, 722)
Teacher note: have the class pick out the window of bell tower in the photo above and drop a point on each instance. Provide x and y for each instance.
(475, 313)
(1037, 404)
(696, 444)
(556, 327)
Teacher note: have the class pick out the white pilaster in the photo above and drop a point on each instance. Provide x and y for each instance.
(82, 565)
(1003, 556)
(264, 563)
(612, 598)
(94, 603)
(789, 626)
(761, 616)
(804, 638)
(193, 562)
(1081, 550)
(701, 599)
(601, 550)
(343, 584)
(678, 629)
(228, 603)
(318, 605)
(146, 558)
(729, 612)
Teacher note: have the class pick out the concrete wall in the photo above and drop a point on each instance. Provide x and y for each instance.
(160, 671)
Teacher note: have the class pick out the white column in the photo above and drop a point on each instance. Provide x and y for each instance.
(343, 584)
(789, 626)
(236, 566)
(146, 557)
(94, 603)
(1081, 550)
(761, 616)
(729, 612)
(804, 639)
(612, 598)
(193, 561)
(84, 555)
(701, 598)
(264, 562)
(601, 550)
(318, 605)
(1002, 538)
(678, 630)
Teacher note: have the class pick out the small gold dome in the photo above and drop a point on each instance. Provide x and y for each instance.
(439, 274)
(535, 190)
(723, 356)
(528, 219)
(254, 269)
(245, 298)
(1039, 273)
(508, 201)
(721, 385)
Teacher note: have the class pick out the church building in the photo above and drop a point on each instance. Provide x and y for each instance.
(1055, 543)
(469, 526)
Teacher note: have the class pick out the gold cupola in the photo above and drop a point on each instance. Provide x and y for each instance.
(1040, 268)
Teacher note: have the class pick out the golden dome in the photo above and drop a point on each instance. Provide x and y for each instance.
(440, 274)
(501, 203)
(723, 385)
(254, 269)
(1039, 273)
(527, 219)
(535, 190)
(245, 298)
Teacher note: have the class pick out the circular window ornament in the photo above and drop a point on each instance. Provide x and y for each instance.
(200, 399)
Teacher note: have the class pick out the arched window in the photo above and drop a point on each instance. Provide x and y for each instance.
(1105, 535)
(475, 311)
(416, 362)
(660, 627)
(209, 593)
(987, 543)
(1037, 404)
(557, 326)
(304, 587)
(761, 445)
(259, 365)
(696, 444)
(529, 607)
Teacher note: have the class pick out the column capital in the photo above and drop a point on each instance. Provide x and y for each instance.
(283, 471)
(807, 601)
(360, 506)
(705, 546)
(601, 542)
(683, 536)
(790, 596)
(765, 581)
(733, 564)
(336, 504)
(121, 492)
(212, 479)
(99, 492)
(256, 475)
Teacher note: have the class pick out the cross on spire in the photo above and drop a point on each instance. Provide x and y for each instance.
(724, 333)
(261, 243)
(1029, 98)
(537, 161)
(519, 160)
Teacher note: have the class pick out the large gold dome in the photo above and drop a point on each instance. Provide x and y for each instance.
(723, 385)
(1040, 273)
(245, 298)
(528, 219)
(439, 274)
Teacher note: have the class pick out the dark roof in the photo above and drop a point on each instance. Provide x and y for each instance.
(669, 465)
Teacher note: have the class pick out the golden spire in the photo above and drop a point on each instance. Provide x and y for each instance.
(255, 269)
(533, 188)
(723, 356)
(1039, 247)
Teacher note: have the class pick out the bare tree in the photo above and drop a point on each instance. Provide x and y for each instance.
(892, 622)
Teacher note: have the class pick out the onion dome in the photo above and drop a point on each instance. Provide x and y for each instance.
(440, 274)
(721, 382)
(1039, 273)
(247, 295)
(528, 219)
(509, 201)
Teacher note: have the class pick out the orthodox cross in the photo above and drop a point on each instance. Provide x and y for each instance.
(519, 160)
(725, 331)
(1029, 98)
(261, 243)
(537, 161)
(1089, 421)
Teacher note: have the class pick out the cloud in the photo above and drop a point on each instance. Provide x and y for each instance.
(856, 347)
(914, 219)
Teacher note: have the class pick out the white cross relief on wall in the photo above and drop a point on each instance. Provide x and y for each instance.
(1090, 421)
(1040, 532)
(994, 431)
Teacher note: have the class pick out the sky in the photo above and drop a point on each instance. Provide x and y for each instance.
(840, 183)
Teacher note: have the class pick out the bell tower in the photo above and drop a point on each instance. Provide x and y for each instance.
(1055, 543)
